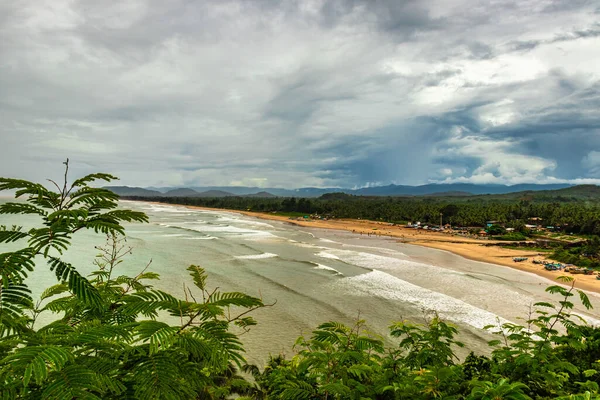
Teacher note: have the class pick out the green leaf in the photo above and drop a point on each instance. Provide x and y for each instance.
(198, 275)
(21, 208)
(37, 361)
(154, 377)
(160, 335)
(585, 300)
(73, 382)
(54, 290)
(22, 187)
(77, 284)
(545, 304)
(14, 299)
(15, 265)
(9, 236)
(84, 181)
(565, 278)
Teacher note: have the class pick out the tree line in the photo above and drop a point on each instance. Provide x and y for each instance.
(571, 217)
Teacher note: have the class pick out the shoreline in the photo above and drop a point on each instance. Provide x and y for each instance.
(472, 249)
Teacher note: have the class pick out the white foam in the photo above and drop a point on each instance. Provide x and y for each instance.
(485, 295)
(168, 209)
(309, 246)
(327, 255)
(256, 256)
(588, 320)
(244, 221)
(375, 261)
(174, 235)
(328, 268)
(223, 229)
(379, 249)
(308, 233)
(201, 238)
(381, 284)
(328, 241)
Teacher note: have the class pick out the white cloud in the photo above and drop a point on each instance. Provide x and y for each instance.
(297, 93)
(498, 161)
(592, 162)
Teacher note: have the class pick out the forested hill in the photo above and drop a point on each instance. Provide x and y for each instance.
(309, 192)
(573, 193)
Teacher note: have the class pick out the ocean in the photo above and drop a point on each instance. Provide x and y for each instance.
(314, 275)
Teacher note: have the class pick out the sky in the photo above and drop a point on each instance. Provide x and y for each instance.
(290, 93)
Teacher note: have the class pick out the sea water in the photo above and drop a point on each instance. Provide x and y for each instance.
(310, 276)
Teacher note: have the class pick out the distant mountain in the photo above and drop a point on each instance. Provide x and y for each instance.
(181, 192)
(261, 195)
(133, 191)
(278, 192)
(439, 189)
(436, 188)
(214, 193)
(579, 192)
(449, 194)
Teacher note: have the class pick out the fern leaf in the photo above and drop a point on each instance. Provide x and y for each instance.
(198, 275)
(154, 378)
(228, 299)
(73, 382)
(38, 361)
(54, 290)
(91, 198)
(13, 299)
(585, 300)
(160, 335)
(149, 303)
(77, 284)
(545, 304)
(198, 348)
(15, 265)
(9, 236)
(22, 187)
(44, 239)
(84, 181)
(21, 208)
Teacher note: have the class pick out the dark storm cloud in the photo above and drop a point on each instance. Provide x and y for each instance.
(302, 93)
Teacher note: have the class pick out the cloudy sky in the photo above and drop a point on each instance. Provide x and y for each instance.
(296, 93)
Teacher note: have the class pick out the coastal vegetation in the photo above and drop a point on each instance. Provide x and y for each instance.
(566, 222)
(570, 217)
(118, 337)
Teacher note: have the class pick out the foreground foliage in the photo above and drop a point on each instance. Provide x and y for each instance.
(531, 361)
(106, 341)
(111, 337)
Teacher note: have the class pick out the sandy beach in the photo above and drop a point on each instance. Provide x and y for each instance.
(473, 249)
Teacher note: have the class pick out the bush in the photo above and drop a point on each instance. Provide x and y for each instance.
(496, 230)
(512, 236)
(106, 341)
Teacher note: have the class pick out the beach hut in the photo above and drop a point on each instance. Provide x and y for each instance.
(482, 233)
